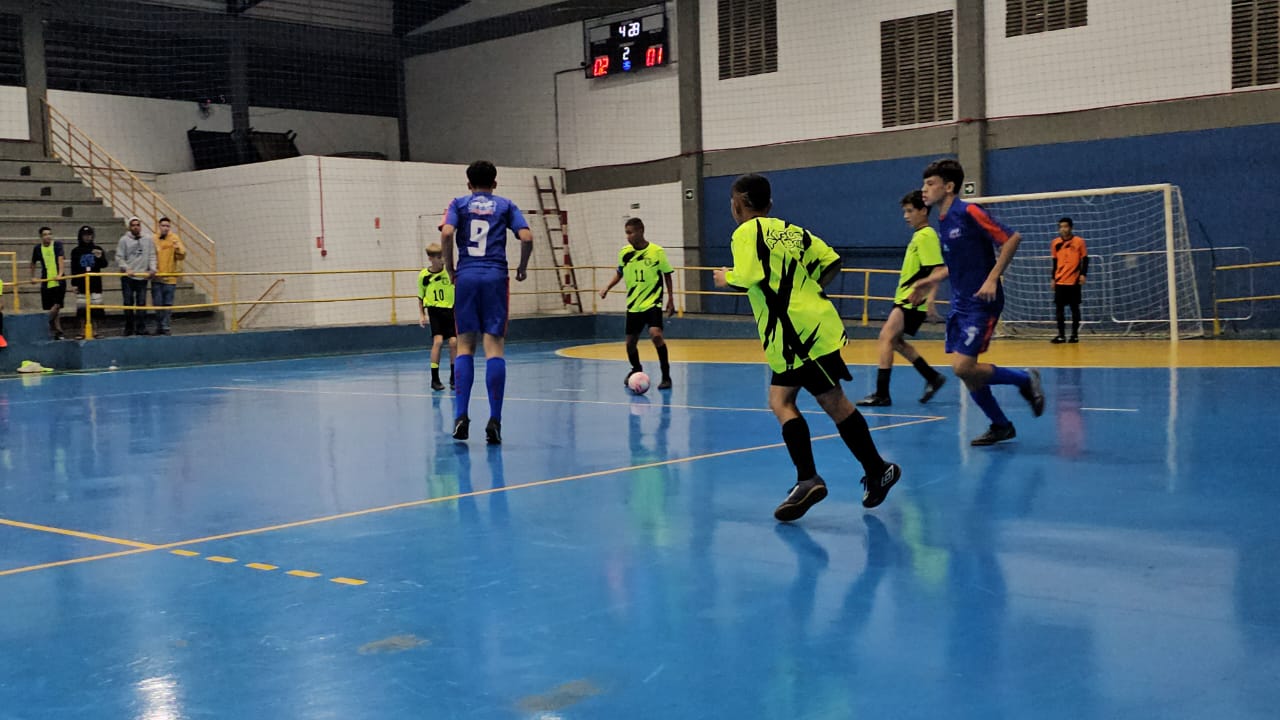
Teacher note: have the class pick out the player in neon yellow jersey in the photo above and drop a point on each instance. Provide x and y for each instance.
(783, 269)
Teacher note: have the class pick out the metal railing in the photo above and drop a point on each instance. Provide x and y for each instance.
(257, 299)
(13, 281)
(1218, 302)
(127, 195)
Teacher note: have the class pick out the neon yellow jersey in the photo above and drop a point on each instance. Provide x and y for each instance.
(435, 289)
(779, 264)
(643, 271)
(924, 251)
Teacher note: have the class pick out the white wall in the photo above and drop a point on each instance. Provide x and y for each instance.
(828, 78)
(458, 113)
(13, 113)
(150, 136)
(374, 214)
(1130, 51)
(596, 233)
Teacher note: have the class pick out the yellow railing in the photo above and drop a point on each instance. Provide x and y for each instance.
(1217, 301)
(681, 293)
(127, 195)
(239, 307)
(12, 282)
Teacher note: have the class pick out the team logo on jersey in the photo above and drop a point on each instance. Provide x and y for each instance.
(482, 206)
(792, 238)
(955, 233)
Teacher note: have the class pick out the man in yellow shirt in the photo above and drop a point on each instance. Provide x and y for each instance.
(169, 255)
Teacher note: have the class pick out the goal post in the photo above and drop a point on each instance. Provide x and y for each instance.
(1142, 278)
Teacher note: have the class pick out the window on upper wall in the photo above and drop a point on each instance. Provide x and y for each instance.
(11, 50)
(1027, 17)
(916, 75)
(748, 37)
(1255, 42)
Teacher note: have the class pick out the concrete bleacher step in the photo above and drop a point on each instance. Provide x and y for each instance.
(35, 170)
(45, 190)
(109, 228)
(21, 150)
(52, 209)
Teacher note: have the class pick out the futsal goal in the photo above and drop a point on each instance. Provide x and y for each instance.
(1142, 271)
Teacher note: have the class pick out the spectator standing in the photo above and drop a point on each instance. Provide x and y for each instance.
(169, 255)
(87, 257)
(47, 267)
(136, 257)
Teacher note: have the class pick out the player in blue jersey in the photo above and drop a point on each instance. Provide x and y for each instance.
(481, 288)
(969, 238)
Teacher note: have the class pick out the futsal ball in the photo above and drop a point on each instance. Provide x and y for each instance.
(638, 383)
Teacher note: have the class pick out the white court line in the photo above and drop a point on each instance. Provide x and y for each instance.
(354, 393)
(1093, 409)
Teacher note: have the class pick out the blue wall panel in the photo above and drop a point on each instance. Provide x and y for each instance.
(854, 208)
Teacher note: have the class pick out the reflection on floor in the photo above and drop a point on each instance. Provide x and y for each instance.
(303, 539)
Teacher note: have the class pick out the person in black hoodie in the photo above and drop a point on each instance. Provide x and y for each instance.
(87, 257)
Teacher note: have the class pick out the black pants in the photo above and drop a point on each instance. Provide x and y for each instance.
(1064, 296)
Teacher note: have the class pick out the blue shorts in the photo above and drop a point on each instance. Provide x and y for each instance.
(969, 332)
(481, 301)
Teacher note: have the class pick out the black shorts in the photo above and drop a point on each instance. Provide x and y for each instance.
(911, 320)
(441, 320)
(816, 376)
(638, 320)
(51, 296)
(1066, 294)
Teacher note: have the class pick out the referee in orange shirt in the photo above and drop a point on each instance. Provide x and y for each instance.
(1070, 265)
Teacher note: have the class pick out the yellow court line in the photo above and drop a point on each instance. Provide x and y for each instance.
(77, 533)
(447, 498)
(261, 566)
(303, 573)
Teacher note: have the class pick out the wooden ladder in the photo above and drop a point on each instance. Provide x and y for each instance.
(556, 224)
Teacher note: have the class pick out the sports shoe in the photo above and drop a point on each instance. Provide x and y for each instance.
(803, 496)
(875, 491)
(931, 387)
(874, 400)
(1034, 392)
(995, 434)
(1058, 340)
(1074, 339)
(665, 384)
(437, 385)
(493, 432)
(462, 428)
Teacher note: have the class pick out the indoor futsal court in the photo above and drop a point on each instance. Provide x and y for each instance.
(304, 539)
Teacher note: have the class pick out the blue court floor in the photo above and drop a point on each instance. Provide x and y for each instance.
(302, 539)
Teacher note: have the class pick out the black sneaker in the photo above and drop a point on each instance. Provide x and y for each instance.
(803, 496)
(1034, 392)
(493, 432)
(931, 387)
(665, 384)
(874, 400)
(1074, 339)
(875, 491)
(1058, 340)
(451, 386)
(995, 434)
(462, 428)
(437, 385)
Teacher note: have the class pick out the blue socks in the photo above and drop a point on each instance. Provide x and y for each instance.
(464, 370)
(495, 380)
(987, 402)
(1005, 376)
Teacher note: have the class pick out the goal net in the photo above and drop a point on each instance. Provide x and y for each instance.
(1141, 279)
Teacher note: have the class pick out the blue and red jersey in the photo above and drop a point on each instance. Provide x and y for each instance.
(970, 238)
(482, 220)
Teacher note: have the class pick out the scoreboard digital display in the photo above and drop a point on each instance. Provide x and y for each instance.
(626, 44)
